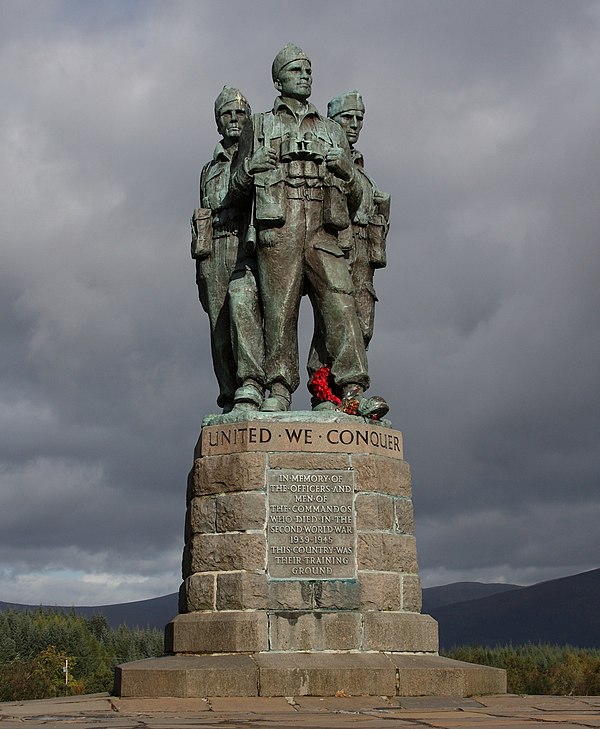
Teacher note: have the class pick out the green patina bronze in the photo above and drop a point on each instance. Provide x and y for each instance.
(226, 267)
(365, 237)
(290, 180)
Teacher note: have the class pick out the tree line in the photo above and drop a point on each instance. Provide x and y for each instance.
(46, 653)
(535, 668)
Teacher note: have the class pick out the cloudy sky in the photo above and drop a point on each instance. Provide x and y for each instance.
(483, 122)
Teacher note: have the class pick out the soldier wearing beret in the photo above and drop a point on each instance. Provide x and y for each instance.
(304, 181)
(370, 222)
(226, 267)
(368, 230)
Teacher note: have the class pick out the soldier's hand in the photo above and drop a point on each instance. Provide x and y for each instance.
(380, 198)
(338, 162)
(263, 160)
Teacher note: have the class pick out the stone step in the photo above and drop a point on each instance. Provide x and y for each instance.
(306, 674)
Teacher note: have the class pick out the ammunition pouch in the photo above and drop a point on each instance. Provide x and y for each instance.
(202, 233)
(270, 204)
(376, 236)
(335, 209)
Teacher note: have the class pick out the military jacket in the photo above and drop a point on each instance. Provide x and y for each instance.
(286, 133)
(214, 188)
(301, 144)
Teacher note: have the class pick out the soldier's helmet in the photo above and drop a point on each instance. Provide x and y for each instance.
(286, 55)
(227, 95)
(350, 101)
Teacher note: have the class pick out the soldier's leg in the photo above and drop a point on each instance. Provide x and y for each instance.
(364, 300)
(247, 339)
(332, 292)
(212, 278)
(364, 293)
(345, 344)
(317, 355)
(332, 295)
(317, 359)
(280, 270)
(343, 337)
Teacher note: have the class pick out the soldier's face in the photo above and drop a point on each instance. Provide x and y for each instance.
(295, 80)
(351, 122)
(231, 120)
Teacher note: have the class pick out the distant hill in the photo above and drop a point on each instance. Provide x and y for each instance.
(153, 613)
(435, 597)
(563, 611)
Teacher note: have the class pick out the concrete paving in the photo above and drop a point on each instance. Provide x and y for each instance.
(304, 712)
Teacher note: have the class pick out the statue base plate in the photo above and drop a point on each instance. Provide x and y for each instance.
(306, 674)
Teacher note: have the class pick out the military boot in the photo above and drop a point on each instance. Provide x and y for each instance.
(249, 396)
(279, 400)
(354, 402)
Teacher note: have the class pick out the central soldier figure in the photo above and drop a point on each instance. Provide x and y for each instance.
(300, 166)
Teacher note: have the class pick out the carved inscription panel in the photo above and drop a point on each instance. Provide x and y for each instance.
(276, 436)
(311, 529)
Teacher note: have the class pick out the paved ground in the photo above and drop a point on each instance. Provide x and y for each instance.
(487, 712)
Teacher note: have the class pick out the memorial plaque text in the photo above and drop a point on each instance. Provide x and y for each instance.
(311, 530)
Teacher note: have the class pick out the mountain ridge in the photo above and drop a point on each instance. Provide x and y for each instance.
(560, 611)
(434, 597)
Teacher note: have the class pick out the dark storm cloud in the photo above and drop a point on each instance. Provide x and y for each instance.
(482, 121)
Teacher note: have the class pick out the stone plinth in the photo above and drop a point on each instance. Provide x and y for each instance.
(299, 536)
(300, 570)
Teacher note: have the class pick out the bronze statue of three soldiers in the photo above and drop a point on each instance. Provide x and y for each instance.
(287, 209)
